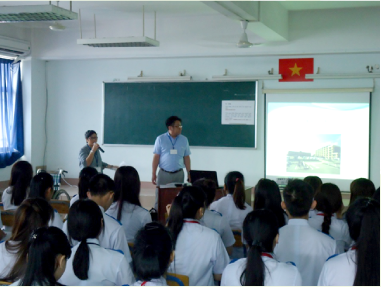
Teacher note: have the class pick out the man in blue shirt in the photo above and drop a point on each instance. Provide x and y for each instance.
(171, 154)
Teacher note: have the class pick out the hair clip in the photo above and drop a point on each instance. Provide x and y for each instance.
(34, 236)
(257, 244)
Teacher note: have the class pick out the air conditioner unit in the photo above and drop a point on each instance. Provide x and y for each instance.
(13, 47)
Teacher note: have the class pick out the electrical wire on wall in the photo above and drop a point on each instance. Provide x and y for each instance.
(46, 112)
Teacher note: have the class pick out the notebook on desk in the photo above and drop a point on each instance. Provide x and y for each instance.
(197, 174)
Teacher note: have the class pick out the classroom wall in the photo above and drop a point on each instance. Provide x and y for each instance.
(75, 105)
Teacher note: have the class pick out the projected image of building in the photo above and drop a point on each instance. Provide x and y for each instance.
(329, 152)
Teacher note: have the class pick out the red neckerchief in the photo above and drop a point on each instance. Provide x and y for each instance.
(191, 221)
(144, 283)
(267, 255)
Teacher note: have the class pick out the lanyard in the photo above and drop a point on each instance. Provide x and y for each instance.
(173, 143)
(267, 255)
(191, 221)
(96, 158)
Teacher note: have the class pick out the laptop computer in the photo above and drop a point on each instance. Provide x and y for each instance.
(197, 174)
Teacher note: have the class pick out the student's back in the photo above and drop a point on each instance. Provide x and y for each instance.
(91, 264)
(298, 241)
(199, 251)
(233, 205)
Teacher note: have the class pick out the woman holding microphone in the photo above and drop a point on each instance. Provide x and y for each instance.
(89, 155)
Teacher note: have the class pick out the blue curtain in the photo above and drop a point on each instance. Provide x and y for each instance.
(11, 113)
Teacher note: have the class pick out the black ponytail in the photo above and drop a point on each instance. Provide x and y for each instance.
(185, 205)
(260, 228)
(84, 222)
(234, 183)
(363, 218)
(328, 201)
(84, 181)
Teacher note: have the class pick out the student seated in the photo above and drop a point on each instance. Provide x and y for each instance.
(267, 196)
(213, 219)
(316, 183)
(361, 187)
(101, 191)
(33, 213)
(48, 250)
(42, 186)
(328, 217)
(18, 189)
(152, 254)
(128, 208)
(360, 266)
(233, 205)
(376, 195)
(260, 268)
(199, 251)
(83, 184)
(298, 241)
(90, 263)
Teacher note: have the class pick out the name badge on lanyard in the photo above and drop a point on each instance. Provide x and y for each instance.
(173, 151)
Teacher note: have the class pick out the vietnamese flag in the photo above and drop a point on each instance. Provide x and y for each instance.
(295, 70)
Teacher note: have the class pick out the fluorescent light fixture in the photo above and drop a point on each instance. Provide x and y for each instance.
(247, 78)
(35, 13)
(119, 42)
(343, 76)
(160, 79)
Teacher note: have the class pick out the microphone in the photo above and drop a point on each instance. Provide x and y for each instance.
(101, 149)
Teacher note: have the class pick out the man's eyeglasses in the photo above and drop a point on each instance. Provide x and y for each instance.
(94, 138)
(178, 127)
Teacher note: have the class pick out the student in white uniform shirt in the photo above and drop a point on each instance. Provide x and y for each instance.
(214, 219)
(298, 241)
(233, 205)
(152, 254)
(33, 213)
(328, 217)
(267, 195)
(199, 251)
(360, 266)
(101, 191)
(316, 183)
(41, 186)
(91, 264)
(128, 208)
(260, 268)
(17, 191)
(83, 184)
(48, 250)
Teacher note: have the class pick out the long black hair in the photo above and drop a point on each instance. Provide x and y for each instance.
(363, 218)
(260, 228)
(84, 222)
(40, 184)
(361, 187)
(267, 195)
(33, 213)
(185, 205)
(315, 182)
(234, 183)
(152, 251)
(127, 187)
(21, 175)
(44, 246)
(329, 201)
(84, 181)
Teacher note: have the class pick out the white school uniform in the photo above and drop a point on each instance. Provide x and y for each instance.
(6, 199)
(154, 282)
(276, 273)
(306, 247)
(7, 259)
(133, 218)
(339, 270)
(214, 220)
(338, 230)
(57, 220)
(227, 208)
(74, 199)
(111, 237)
(199, 254)
(107, 267)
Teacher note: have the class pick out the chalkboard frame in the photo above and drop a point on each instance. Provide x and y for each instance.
(255, 135)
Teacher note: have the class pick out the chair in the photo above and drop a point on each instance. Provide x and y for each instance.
(8, 217)
(177, 279)
(5, 283)
(1, 206)
(238, 241)
(62, 206)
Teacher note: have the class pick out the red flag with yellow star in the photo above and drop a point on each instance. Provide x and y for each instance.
(295, 70)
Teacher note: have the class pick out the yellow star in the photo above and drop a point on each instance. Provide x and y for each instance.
(295, 70)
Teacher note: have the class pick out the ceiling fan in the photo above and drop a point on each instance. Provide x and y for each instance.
(243, 41)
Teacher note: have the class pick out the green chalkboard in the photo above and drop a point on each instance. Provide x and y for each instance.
(135, 113)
